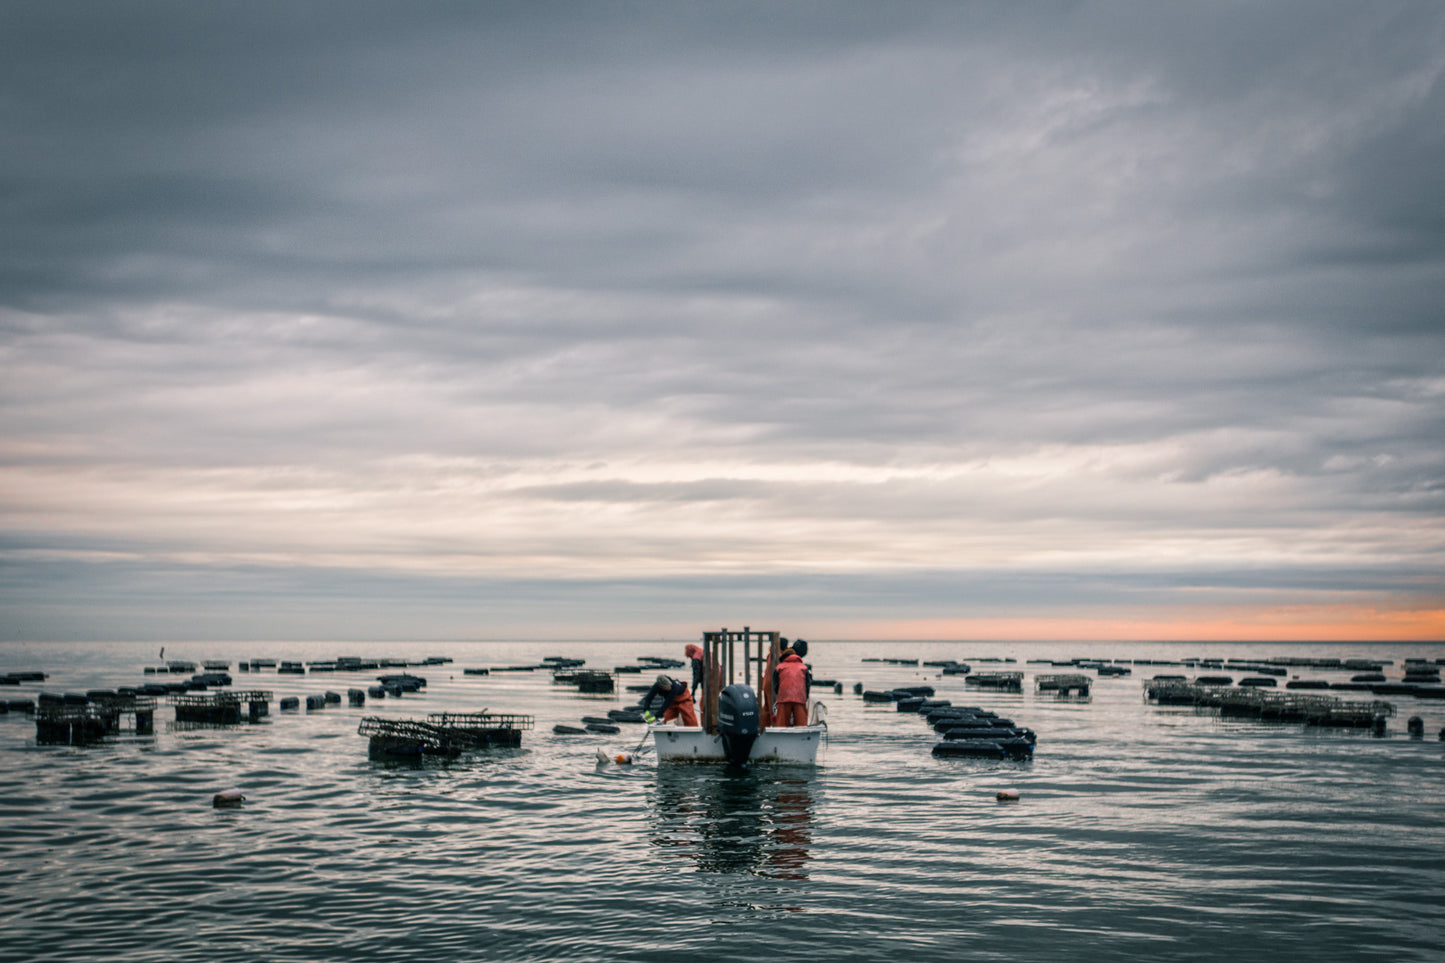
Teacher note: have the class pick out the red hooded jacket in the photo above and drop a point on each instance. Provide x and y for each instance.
(791, 678)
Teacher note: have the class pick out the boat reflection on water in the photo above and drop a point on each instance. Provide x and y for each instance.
(758, 823)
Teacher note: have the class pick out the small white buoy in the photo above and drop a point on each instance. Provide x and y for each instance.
(228, 799)
(1007, 795)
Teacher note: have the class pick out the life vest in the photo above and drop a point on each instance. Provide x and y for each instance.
(792, 680)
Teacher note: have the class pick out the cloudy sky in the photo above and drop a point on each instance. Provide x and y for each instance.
(858, 320)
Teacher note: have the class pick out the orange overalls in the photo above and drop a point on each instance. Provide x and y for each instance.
(681, 705)
(791, 702)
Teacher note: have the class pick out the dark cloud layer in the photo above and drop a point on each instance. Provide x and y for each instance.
(1113, 295)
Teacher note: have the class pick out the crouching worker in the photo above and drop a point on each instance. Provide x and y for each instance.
(677, 701)
(791, 681)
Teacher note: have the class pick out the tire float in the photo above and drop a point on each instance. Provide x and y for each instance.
(969, 750)
(970, 732)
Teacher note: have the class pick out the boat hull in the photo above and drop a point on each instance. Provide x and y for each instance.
(785, 746)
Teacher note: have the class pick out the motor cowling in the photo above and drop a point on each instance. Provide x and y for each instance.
(737, 722)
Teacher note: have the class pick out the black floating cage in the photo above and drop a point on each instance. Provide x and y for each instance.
(1272, 706)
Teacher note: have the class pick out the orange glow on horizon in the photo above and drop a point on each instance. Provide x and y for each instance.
(1302, 623)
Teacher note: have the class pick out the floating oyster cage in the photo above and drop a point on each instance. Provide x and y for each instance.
(660, 662)
(443, 733)
(77, 723)
(399, 682)
(221, 708)
(1063, 685)
(1272, 706)
(586, 680)
(1007, 681)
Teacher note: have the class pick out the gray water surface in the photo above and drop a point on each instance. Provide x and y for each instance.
(1142, 832)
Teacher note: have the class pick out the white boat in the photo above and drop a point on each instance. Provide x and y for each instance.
(787, 746)
(732, 717)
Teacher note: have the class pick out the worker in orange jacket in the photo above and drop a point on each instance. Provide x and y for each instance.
(791, 681)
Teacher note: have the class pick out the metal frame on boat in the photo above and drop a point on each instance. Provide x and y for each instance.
(708, 742)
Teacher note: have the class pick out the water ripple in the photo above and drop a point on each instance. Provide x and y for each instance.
(1143, 833)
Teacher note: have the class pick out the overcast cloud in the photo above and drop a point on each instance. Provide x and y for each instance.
(360, 320)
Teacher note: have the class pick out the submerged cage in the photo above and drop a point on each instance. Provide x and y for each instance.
(221, 708)
(67, 725)
(408, 737)
(446, 734)
(489, 728)
(78, 723)
(1062, 685)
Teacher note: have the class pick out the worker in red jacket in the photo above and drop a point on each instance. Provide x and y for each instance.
(791, 681)
(694, 654)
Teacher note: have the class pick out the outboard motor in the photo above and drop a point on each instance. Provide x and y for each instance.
(737, 723)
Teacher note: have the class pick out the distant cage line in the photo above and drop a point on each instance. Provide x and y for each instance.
(1273, 706)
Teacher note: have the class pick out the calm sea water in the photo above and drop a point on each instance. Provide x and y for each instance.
(1142, 832)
